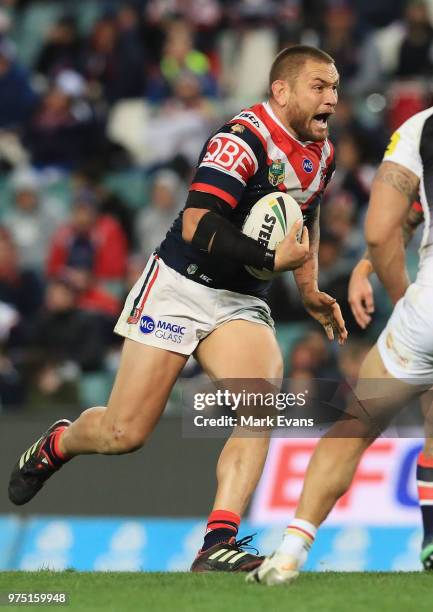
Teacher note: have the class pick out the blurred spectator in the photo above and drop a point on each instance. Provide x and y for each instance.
(17, 97)
(90, 178)
(339, 217)
(415, 55)
(357, 58)
(12, 387)
(92, 297)
(64, 342)
(62, 333)
(168, 196)
(20, 288)
(181, 125)
(369, 138)
(32, 219)
(64, 131)
(89, 234)
(247, 52)
(62, 49)
(115, 60)
(179, 57)
(351, 176)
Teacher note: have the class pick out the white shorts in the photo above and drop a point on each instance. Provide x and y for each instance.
(167, 310)
(406, 343)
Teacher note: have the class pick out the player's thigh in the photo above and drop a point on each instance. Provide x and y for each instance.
(143, 383)
(241, 349)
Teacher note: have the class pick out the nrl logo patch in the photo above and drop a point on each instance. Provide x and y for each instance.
(237, 128)
(277, 173)
(192, 269)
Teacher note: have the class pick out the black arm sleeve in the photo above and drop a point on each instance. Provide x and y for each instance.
(200, 199)
(219, 237)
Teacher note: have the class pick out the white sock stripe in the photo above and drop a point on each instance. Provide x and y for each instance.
(426, 502)
(421, 483)
(309, 529)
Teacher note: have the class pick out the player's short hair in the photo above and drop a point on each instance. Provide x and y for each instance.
(289, 61)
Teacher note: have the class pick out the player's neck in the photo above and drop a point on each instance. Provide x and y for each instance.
(281, 118)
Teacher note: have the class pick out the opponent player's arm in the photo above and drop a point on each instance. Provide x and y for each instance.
(393, 191)
(414, 218)
(204, 226)
(360, 292)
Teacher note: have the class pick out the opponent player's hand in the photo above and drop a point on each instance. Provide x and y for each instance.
(326, 311)
(291, 254)
(360, 296)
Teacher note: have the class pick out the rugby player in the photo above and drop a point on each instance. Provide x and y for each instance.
(195, 295)
(402, 356)
(361, 300)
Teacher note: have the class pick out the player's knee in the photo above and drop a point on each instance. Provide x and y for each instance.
(120, 439)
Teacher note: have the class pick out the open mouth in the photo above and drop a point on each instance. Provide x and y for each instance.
(322, 119)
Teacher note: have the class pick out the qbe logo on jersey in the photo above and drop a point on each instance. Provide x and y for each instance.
(231, 154)
(164, 330)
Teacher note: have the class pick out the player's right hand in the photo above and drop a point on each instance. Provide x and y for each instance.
(291, 254)
(360, 297)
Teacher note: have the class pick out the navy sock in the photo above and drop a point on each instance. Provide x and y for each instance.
(221, 526)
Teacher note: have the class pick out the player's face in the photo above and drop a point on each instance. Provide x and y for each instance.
(311, 100)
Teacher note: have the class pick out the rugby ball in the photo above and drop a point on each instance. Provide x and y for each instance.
(269, 221)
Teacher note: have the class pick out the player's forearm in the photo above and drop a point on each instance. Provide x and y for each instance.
(306, 276)
(210, 232)
(389, 262)
(413, 220)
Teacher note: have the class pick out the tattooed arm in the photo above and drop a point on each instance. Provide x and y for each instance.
(306, 275)
(393, 191)
(414, 218)
(318, 304)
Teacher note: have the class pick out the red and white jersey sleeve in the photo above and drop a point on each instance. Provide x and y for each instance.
(227, 162)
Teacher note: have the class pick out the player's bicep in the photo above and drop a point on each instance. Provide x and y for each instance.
(225, 168)
(393, 191)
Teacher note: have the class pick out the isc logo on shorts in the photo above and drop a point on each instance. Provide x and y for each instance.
(147, 324)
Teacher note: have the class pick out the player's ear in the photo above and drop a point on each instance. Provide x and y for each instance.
(280, 91)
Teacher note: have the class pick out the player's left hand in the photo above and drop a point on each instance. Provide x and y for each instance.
(326, 311)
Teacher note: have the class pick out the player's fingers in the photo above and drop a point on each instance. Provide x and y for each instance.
(295, 229)
(339, 322)
(369, 302)
(329, 330)
(358, 312)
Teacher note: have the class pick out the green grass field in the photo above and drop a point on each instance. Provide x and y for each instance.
(322, 592)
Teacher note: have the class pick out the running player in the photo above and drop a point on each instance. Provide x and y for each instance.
(361, 300)
(403, 355)
(195, 295)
